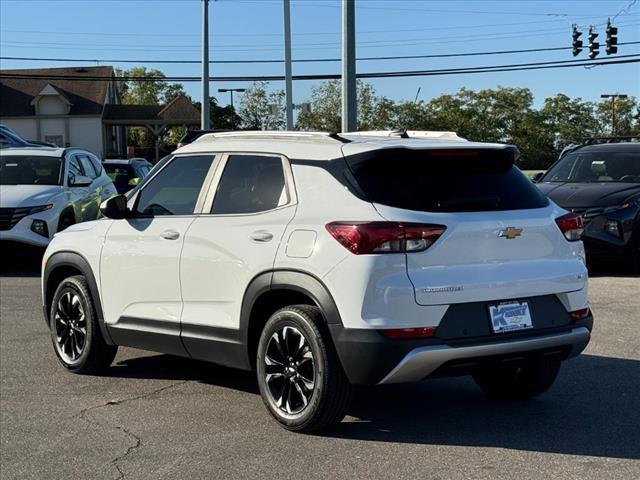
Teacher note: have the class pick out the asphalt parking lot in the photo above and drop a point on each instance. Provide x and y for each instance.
(156, 416)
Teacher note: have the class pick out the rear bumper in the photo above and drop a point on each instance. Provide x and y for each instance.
(422, 362)
(369, 358)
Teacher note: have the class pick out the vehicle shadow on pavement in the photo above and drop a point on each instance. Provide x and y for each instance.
(20, 261)
(593, 409)
(169, 367)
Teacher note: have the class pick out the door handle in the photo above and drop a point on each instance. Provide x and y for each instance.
(261, 236)
(170, 235)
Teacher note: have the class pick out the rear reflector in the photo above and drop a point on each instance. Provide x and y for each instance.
(384, 237)
(571, 225)
(579, 314)
(403, 333)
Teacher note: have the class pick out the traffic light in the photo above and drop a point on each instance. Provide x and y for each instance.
(594, 47)
(577, 43)
(612, 39)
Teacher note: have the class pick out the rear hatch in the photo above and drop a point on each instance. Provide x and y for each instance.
(501, 239)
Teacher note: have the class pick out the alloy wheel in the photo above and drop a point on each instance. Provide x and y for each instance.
(289, 370)
(70, 326)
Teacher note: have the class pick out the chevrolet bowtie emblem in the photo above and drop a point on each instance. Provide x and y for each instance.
(510, 233)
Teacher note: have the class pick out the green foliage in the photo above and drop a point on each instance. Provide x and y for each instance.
(326, 108)
(261, 110)
(143, 92)
(504, 115)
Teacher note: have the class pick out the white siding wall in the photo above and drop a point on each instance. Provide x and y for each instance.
(51, 105)
(25, 127)
(52, 127)
(86, 133)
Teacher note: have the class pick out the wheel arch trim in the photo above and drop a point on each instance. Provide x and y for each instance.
(75, 260)
(285, 279)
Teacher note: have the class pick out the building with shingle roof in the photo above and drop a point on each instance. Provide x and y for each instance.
(63, 106)
(80, 107)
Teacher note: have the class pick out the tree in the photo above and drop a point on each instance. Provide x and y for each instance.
(148, 92)
(568, 120)
(626, 116)
(373, 112)
(261, 110)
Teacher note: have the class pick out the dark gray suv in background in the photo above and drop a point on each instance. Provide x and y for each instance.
(601, 182)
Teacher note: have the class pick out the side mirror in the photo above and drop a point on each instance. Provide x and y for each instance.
(134, 181)
(115, 207)
(536, 178)
(79, 181)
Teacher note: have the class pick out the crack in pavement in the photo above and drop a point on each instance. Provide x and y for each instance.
(137, 441)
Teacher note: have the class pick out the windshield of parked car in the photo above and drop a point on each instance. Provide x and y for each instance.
(29, 170)
(596, 167)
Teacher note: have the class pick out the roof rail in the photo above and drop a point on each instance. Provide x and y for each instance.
(274, 134)
(598, 140)
(403, 133)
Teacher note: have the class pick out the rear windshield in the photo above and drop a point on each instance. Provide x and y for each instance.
(446, 180)
(114, 170)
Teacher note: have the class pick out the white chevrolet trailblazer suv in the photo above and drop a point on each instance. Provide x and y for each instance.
(324, 261)
(44, 190)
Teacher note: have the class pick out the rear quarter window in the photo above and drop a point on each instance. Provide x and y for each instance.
(445, 180)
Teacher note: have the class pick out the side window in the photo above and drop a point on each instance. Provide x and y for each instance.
(97, 165)
(175, 189)
(250, 184)
(87, 166)
(75, 168)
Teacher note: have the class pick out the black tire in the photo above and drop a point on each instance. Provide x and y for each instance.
(511, 382)
(635, 248)
(71, 312)
(327, 401)
(66, 220)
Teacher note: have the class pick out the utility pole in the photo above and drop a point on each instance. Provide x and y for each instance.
(613, 97)
(349, 103)
(204, 111)
(287, 64)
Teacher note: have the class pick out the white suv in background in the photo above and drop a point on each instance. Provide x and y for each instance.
(44, 190)
(324, 261)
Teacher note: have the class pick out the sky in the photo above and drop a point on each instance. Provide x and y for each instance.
(152, 30)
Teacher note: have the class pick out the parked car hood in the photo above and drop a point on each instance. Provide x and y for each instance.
(13, 196)
(585, 195)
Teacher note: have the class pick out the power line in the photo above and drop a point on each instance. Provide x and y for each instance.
(430, 10)
(301, 34)
(300, 60)
(623, 59)
(299, 46)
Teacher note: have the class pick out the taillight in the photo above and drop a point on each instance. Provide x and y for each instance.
(579, 314)
(404, 333)
(571, 225)
(384, 237)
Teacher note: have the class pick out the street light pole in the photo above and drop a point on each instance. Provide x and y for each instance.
(204, 111)
(349, 103)
(613, 97)
(231, 90)
(287, 64)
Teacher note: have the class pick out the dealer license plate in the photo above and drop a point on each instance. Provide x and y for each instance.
(510, 316)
